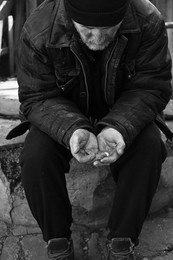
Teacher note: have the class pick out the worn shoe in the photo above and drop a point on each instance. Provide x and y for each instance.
(120, 249)
(60, 249)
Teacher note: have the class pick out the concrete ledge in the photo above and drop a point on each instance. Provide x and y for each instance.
(91, 189)
(9, 103)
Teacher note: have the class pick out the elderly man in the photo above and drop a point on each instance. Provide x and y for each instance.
(93, 76)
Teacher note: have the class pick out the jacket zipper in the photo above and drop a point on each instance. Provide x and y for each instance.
(106, 72)
(124, 42)
(86, 84)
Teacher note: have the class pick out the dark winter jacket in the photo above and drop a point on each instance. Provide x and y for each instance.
(54, 78)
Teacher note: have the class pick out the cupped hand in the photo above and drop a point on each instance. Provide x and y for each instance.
(84, 146)
(111, 146)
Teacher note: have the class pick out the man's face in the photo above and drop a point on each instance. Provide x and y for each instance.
(96, 38)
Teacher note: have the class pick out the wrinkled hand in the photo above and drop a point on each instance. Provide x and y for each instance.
(110, 143)
(84, 146)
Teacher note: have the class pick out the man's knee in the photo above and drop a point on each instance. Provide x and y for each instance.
(150, 142)
(37, 148)
(42, 152)
(150, 137)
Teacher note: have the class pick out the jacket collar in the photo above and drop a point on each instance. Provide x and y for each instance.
(61, 27)
(130, 23)
(61, 33)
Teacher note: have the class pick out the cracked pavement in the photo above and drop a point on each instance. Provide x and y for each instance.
(25, 242)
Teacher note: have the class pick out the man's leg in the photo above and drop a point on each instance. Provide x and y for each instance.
(137, 174)
(44, 163)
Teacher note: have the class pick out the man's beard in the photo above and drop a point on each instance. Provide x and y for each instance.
(97, 47)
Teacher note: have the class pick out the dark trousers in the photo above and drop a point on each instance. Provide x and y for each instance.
(44, 162)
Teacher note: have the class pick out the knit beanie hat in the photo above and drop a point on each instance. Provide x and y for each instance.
(96, 12)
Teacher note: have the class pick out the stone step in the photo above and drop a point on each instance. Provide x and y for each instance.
(5, 126)
(90, 207)
(9, 104)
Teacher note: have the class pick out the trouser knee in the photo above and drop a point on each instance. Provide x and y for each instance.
(150, 142)
(42, 155)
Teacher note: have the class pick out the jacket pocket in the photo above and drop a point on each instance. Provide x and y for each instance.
(131, 71)
(66, 78)
(66, 84)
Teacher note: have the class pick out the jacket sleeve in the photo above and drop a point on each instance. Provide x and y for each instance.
(42, 103)
(148, 91)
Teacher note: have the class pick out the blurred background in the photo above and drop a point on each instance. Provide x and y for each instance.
(13, 14)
